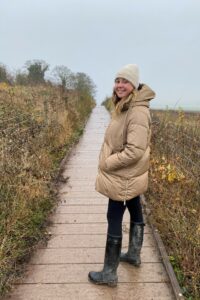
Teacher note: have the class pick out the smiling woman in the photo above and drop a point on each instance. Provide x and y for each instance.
(123, 170)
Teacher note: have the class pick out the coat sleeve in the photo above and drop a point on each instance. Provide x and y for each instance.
(137, 142)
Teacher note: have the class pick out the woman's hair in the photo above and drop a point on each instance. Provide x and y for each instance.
(122, 104)
(115, 98)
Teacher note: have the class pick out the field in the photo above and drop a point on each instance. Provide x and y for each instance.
(174, 193)
(38, 125)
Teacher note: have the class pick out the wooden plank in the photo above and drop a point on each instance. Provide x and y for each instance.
(83, 201)
(82, 218)
(78, 218)
(84, 255)
(88, 291)
(87, 209)
(90, 228)
(78, 273)
(89, 241)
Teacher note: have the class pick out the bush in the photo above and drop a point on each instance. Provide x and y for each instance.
(37, 127)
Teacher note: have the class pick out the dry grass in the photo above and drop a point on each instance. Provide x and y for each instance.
(174, 193)
(37, 127)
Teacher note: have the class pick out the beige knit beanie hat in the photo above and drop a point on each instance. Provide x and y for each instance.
(131, 73)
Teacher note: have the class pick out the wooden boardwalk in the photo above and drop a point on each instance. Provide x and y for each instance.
(79, 228)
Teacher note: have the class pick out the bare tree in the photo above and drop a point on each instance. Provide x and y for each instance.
(83, 83)
(64, 75)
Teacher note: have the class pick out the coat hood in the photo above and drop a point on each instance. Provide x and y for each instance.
(143, 95)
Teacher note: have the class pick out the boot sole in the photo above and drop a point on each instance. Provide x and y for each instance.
(110, 284)
(131, 263)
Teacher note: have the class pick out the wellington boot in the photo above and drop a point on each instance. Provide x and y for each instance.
(111, 261)
(136, 234)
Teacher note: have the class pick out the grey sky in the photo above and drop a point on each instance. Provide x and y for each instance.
(99, 37)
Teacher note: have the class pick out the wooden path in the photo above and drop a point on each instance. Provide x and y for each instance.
(76, 247)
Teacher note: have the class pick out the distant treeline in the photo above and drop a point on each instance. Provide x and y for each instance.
(33, 73)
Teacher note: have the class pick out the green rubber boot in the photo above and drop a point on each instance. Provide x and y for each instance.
(111, 261)
(136, 234)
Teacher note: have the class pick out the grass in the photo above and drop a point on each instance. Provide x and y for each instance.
(37, 128)
(174, 194)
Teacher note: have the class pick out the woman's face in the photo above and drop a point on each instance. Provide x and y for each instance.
(122, 87)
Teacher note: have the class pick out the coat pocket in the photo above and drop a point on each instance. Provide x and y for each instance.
(106, 151)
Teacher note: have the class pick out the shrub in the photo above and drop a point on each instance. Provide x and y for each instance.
(37, 127)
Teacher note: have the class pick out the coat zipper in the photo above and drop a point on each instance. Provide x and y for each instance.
(126, 191)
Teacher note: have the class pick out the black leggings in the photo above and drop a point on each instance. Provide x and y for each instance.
(116, 211)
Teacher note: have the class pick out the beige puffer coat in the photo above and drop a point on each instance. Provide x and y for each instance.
(124, 156)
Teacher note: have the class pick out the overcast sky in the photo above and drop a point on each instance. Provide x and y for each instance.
(98, 37)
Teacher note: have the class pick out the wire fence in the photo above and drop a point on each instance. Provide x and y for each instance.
(179, 141)
(174, 192)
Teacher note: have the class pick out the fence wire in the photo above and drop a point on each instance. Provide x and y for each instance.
(179, 141)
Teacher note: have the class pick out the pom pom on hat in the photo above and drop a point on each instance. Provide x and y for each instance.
(131, 73)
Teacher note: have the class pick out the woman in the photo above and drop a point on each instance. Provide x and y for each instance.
(123, 170)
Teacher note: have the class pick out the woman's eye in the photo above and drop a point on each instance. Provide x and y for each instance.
(125, 81)
(121, 81)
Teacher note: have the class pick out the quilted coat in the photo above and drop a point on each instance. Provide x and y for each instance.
(124, 156)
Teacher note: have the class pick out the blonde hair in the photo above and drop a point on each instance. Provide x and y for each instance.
(123, 103)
